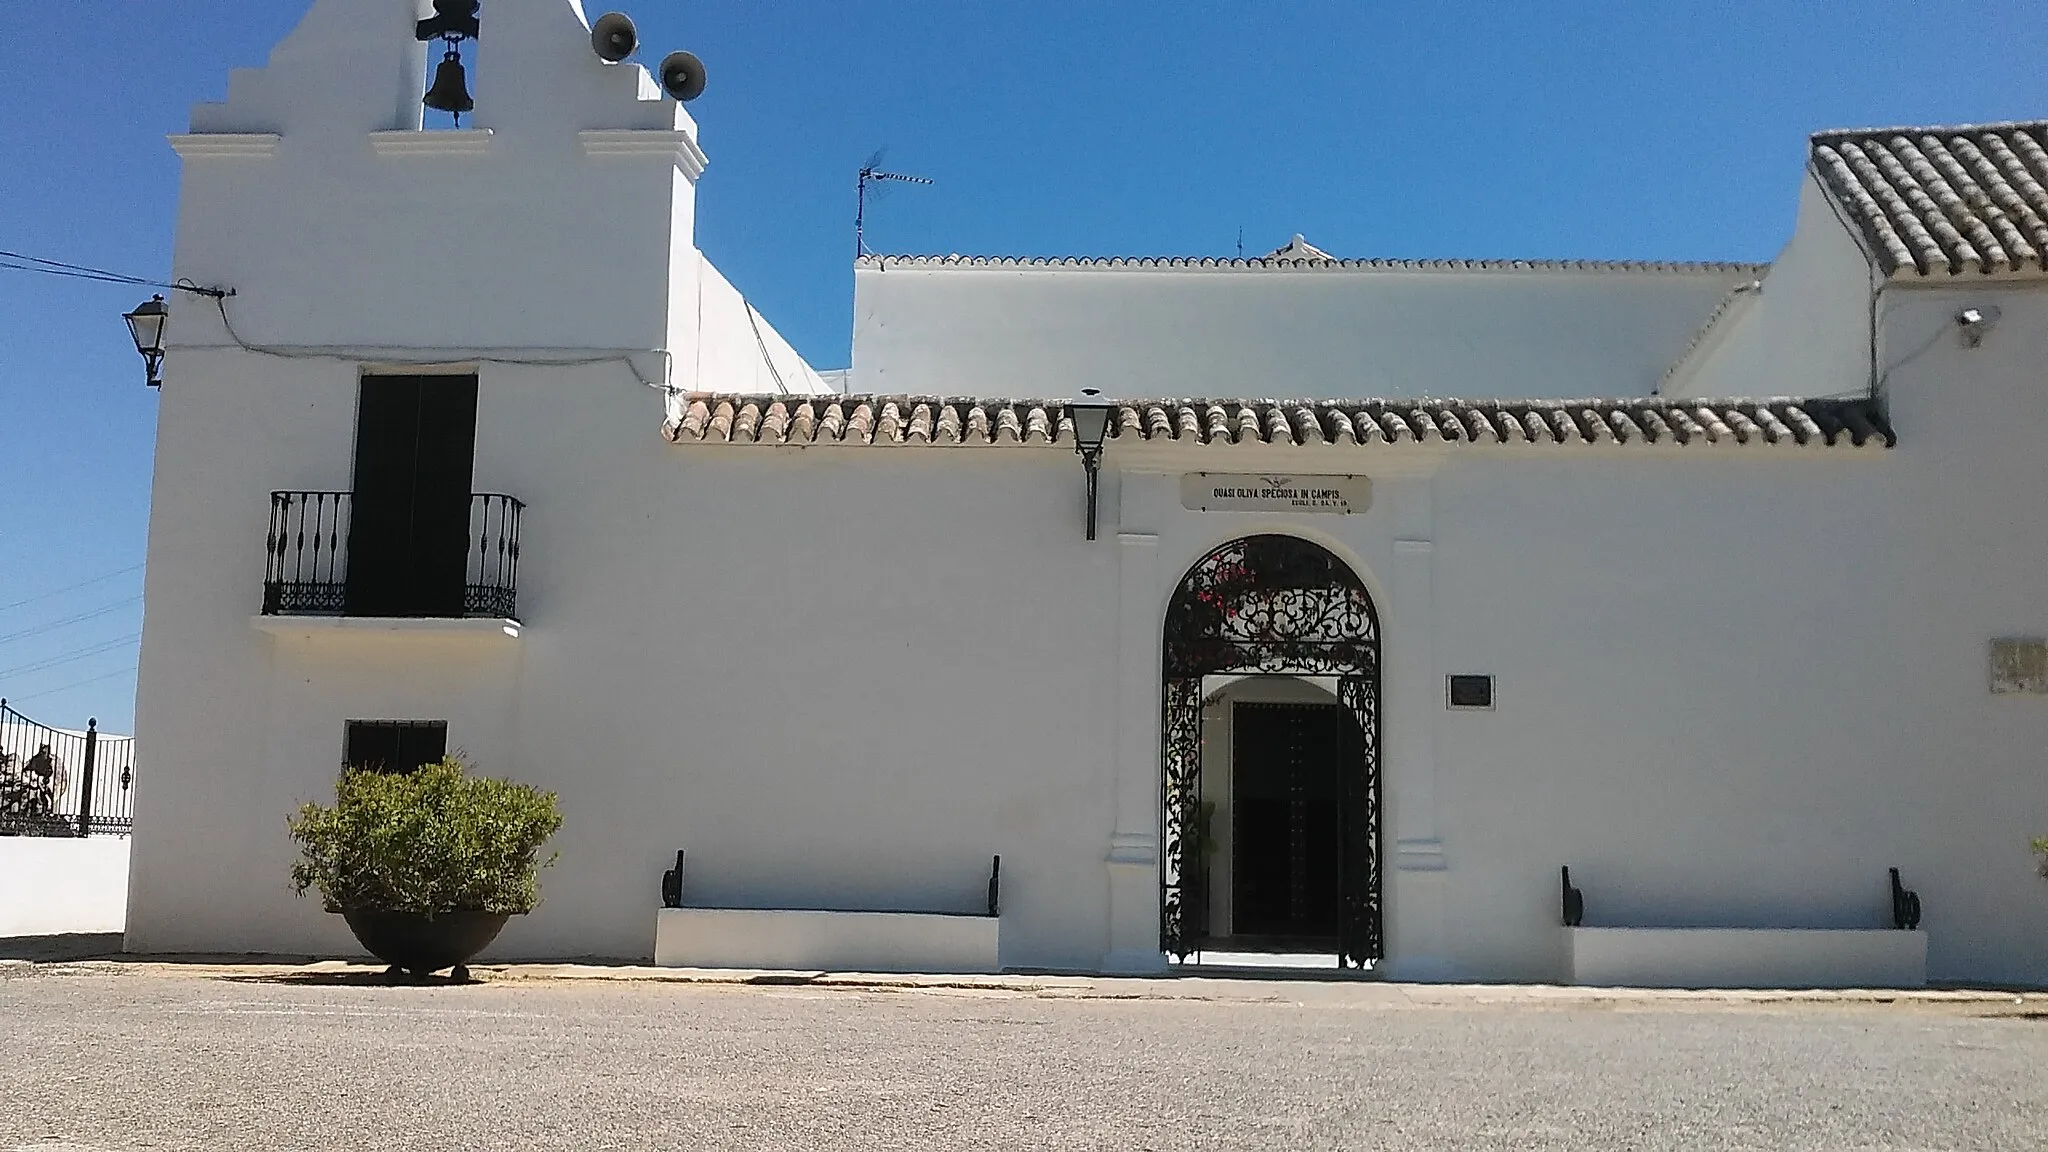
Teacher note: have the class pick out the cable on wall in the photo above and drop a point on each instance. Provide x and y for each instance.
(762, 343)
(1870, 270)
(391, 354)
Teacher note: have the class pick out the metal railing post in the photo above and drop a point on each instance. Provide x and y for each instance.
(92, 744)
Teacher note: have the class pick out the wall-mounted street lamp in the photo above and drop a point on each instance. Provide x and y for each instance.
(1091, 414)
(146, 324)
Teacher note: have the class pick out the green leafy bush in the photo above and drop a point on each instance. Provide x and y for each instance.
(2041, 846)
(432, 841)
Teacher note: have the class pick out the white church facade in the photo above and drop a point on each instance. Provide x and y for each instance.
(1722, 585)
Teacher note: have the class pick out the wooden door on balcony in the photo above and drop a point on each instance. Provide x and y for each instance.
(408, 538)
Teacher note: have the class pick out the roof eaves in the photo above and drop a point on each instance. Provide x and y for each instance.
(1269, 264)
(909, 421)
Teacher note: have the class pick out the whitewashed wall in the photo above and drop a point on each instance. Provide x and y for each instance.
(355, 241)
(1804, 332)
(724, 654)
(51, 886)
(1734, 684)
(1734, 687)
(1315, 332)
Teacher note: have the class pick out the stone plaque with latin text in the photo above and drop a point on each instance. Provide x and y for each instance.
(1264, 492)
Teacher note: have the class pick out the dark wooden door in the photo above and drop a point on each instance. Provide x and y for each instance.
(1286, 820)
(408, 540)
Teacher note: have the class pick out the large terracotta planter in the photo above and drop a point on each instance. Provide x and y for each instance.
(421, 944)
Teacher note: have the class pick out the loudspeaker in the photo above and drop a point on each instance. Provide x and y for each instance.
(613, 37)
(682, 76)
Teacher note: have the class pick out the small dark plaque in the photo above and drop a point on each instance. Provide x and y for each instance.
(1471, 692)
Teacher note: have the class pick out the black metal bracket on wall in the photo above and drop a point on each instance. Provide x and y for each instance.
(672, 884)
(1905, 905)
(1091, 460)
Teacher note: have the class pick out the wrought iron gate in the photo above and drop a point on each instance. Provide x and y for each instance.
(55, 782)
(1270, 604)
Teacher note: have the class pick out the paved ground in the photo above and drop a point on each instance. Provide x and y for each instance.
(126, 1055)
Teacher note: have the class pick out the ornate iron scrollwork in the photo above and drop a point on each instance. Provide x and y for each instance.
(1182, 922)
(1269, 604)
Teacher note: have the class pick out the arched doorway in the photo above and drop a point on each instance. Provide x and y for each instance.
(1272, 605)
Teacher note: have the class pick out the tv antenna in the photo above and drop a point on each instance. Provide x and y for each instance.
(871, 173)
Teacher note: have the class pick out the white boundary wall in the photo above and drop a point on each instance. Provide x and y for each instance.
(52, 886)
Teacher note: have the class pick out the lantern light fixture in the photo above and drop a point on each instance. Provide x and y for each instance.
(146, 324)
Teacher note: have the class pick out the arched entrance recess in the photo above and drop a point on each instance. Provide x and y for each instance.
(1271, 604)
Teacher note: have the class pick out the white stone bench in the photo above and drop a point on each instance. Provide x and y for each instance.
(808, 940)
(1625, 957)
(1746, 957)
(827, 940)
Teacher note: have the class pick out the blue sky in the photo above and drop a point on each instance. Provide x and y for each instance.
(1089, 127)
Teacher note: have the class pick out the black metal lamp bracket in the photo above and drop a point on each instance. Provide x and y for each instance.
(1091, 460)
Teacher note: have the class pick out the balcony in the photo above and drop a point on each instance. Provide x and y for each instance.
(328, 558)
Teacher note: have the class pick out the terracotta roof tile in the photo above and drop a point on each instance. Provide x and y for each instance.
(1944, 202)
(1283, 261)
(702, 418)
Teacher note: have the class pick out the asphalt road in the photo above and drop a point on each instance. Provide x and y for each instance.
(128, 1060)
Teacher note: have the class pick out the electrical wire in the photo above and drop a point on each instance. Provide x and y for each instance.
(68, 621)
(533, 357)
(41, 596)
(22, 262)
(74, 684)
(59, 661)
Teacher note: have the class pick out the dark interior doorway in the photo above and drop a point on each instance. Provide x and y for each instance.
(1286, 831)
(408, 538)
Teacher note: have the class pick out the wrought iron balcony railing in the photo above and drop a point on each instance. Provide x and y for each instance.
(322, 563)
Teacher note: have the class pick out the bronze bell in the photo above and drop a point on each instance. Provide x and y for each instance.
(450, 92)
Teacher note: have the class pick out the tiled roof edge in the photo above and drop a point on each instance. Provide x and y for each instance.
(1942, 203)
(1833, 134)
(931, 420)
(1268, 264)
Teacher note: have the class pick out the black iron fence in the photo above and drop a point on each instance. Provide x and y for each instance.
(60, 782)
(306, 572)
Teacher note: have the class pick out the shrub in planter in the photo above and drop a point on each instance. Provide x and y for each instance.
(425, 866)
